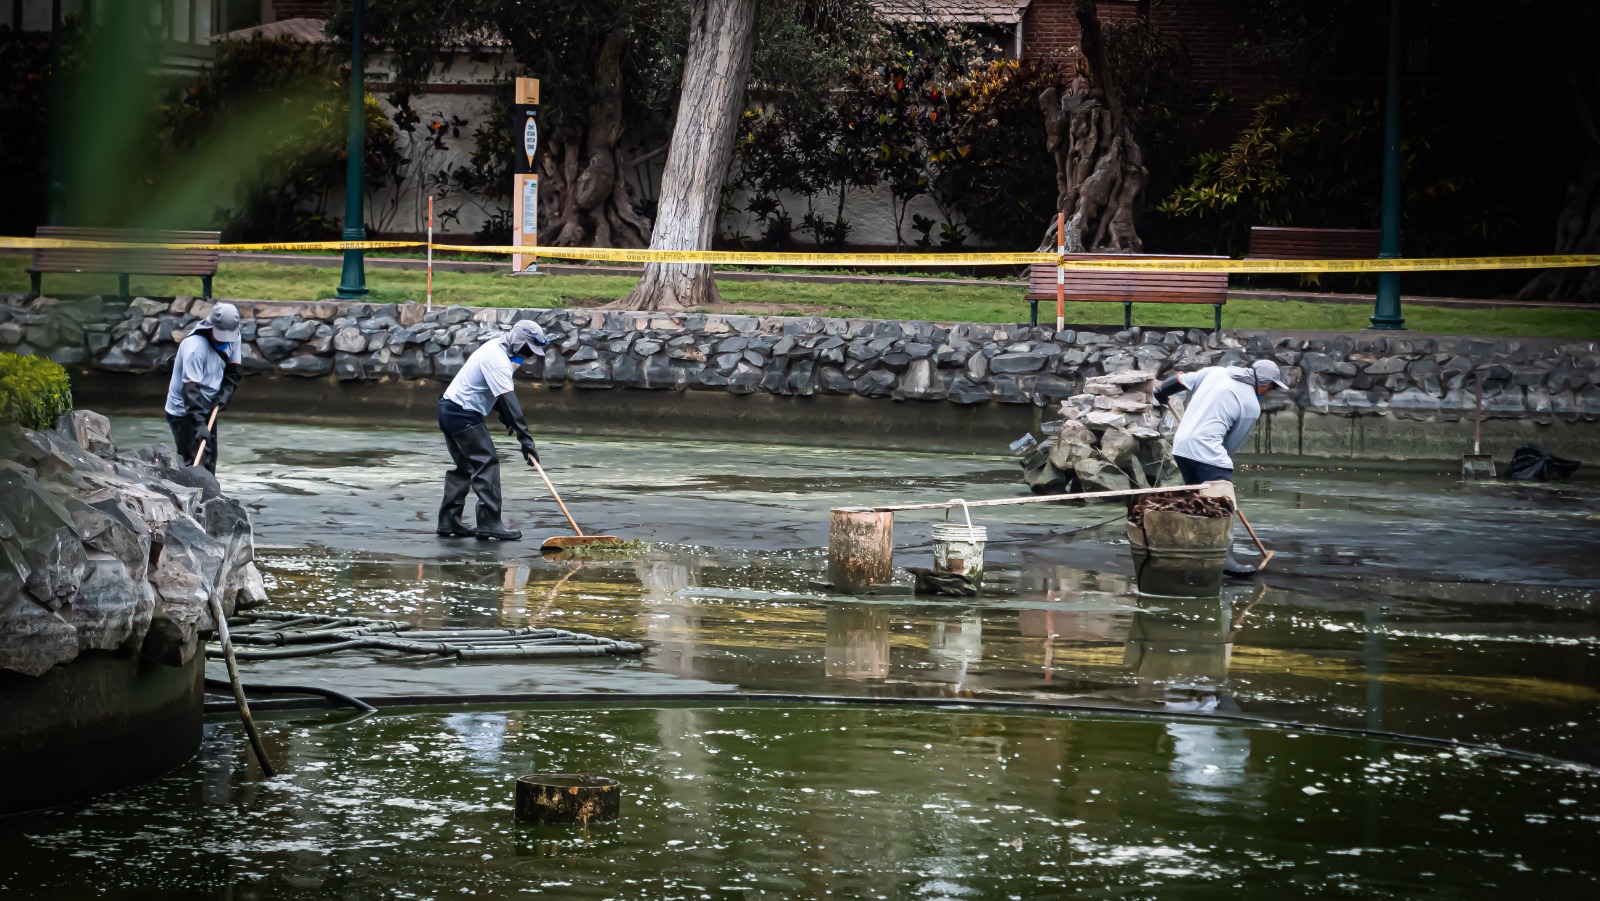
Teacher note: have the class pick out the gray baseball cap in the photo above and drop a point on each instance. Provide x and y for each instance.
(1268, 371)
(525, 338)
(223, 321)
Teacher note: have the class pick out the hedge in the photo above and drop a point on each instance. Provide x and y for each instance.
(33, 391)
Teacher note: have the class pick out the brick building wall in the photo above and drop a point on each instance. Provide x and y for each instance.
(301, 9)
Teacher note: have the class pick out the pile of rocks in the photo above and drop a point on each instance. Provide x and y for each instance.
(101, 551)
(1112, 436)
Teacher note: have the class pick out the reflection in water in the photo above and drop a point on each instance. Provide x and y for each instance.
(721, 620)
(796, 801)
(858, 642)
(1182, 645)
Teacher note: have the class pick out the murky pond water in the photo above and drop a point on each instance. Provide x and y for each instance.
(1400, 603)
(807, 801)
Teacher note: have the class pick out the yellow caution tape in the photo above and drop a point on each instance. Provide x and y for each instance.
(1404, 264)
(783, 258)
(73, 244)
(762, 257)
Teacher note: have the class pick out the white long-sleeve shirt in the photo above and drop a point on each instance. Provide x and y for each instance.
(1222, 409)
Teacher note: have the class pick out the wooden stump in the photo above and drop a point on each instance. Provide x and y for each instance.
(860, 548)
(568, 799)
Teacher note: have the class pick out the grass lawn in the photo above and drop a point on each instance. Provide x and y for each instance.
(265, 281)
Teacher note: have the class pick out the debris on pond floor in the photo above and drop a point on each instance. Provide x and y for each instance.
(1203, 506)
(948, 585)
(276, 635)
(1113, 436)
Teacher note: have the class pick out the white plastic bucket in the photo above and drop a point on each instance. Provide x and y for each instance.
(958, 549)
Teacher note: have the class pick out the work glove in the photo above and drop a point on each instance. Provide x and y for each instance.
(201, 433)
(529, 451)
(1168, 387)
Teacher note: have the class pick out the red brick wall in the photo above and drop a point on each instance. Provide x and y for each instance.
(301, 9)
(1210, 29)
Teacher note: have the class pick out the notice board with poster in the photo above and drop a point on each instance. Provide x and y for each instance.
(525, 173)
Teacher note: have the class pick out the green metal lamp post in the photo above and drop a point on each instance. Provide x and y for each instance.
(353, 280)
(56, 201)
(1386, 312)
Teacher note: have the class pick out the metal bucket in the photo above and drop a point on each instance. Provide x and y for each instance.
(958, 549)
(1178, 555)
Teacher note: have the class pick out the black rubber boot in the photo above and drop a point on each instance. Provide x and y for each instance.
(495, 529)
(451, 526)
(1232, 566)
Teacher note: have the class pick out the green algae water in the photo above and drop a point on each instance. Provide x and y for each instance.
(820, 801)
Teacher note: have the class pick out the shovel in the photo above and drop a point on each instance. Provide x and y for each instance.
(1477, 465)
(557, 543)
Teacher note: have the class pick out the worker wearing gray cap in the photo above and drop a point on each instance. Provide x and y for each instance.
(205, 373)
(483, 384)
(1224, 404)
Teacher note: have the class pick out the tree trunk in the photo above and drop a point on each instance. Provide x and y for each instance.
(1100, 173)
(1578, 225)
(584, 196)
(721, 38)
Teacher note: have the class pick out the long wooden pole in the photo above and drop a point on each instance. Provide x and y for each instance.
(1037, 499)
(1061, 272)
(210, 424)
(233, 667)
(430, 253)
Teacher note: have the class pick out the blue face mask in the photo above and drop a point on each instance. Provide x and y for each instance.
(517, 360)
(223, 346)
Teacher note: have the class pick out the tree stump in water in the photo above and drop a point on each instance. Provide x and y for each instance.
(860, 548)
(568, 799)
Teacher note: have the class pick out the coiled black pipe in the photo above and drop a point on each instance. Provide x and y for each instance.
(329, 693)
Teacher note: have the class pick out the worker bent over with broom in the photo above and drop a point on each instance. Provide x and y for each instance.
(485, 382)
(1224, 403)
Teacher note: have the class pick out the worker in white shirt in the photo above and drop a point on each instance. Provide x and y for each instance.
(1224, 404)
(205, 373)
(483, 384)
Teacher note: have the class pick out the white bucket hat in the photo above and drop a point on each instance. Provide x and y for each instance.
(223, 321)
(1268, 371)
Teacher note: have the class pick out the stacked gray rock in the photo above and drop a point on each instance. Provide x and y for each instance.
(1111, 437)
(101, 551)
(964, 363)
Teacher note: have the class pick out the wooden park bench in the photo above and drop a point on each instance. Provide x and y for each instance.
(123, 263)
(1128, 287)
(1272, 243)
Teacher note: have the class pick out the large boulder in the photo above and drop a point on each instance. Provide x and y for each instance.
(108, 552)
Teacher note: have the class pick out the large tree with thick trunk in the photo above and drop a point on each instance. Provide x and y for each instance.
(1100, 172)
(599, 65)
(722, 36)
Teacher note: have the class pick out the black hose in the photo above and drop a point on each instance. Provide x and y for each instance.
(731, 698)
(329, 693)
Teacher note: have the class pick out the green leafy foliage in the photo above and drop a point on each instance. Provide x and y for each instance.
(291, 99)
(964, 131)
(33, 391)
(1302, 163)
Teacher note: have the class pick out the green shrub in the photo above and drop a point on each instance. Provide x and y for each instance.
(33, 391)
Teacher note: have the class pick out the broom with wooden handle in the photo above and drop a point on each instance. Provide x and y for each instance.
(210, 424)
(563, 542)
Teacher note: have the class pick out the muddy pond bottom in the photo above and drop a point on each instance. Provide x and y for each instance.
(749, 801)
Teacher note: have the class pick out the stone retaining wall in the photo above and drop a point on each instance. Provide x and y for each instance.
(1361, 376)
